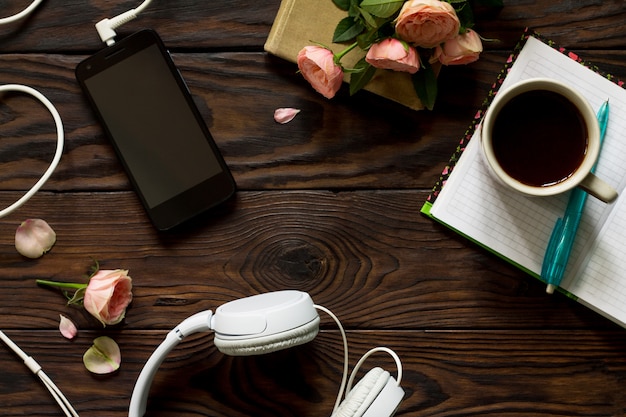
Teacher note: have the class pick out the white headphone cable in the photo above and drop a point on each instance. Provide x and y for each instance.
(393, 354)
(344, 379)
(28, 10)
(36, 369)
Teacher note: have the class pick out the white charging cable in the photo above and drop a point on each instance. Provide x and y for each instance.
(106, 27)
(59, 150)
(106, 30)
(36, 369)
(29, 361)
(22, 14)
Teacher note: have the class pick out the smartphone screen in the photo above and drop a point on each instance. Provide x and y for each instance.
(158, 133)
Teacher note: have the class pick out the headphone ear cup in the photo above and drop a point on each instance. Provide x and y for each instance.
(363, 394)
(267, 344)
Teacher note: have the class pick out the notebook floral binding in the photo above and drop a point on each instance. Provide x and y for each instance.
(493, 91)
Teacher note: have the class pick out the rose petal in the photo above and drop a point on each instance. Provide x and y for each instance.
(34, 237)
(285, 114)
(103, 357)
(67, 327)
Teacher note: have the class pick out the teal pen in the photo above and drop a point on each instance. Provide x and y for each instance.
(564, 232)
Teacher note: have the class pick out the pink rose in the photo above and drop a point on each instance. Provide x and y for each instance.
(317, 65)
(427, 23)
(462, 49)
(108, 294)
(393, 54)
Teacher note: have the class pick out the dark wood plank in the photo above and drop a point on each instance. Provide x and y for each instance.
(444, 373)
(328, 204)
(68, 26)
(349, 143)
(354, 142)
(354, 252)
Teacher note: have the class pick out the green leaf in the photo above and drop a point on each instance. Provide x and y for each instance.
(369, 19)
(347, 29)
(77, 298)
(362, 75)
(425, 84)
(465, 14)
(382, 8)
(342, 4)
(354, 10)
(366, 39)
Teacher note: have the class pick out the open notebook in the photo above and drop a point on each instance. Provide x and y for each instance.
(517, 228)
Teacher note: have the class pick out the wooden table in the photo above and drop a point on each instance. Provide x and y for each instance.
(327, 204)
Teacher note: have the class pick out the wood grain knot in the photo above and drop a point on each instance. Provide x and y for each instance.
(171, 301)
(292, 260)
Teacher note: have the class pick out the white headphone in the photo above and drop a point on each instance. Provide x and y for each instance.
(267, 323)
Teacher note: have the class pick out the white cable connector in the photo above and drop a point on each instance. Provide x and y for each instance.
(106, 27)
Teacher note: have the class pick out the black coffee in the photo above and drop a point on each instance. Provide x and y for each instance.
(540, 138)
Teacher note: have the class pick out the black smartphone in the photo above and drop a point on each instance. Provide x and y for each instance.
(156, 129)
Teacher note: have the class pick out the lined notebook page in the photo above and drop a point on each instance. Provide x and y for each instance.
(518, 227)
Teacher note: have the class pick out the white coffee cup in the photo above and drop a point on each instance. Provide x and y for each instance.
(541, 137)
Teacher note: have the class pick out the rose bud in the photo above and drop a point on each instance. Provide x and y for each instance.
(34, 237)
(108, 294)
(318, 67)
(393, 54)
(461, 50)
